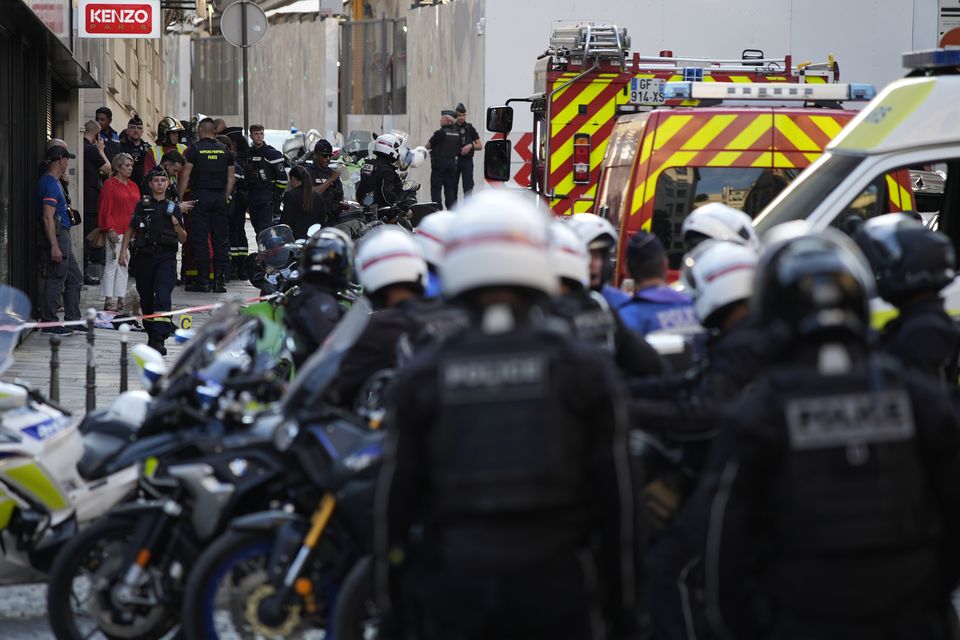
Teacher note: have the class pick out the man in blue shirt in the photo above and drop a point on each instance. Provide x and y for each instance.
(655, 305)
(63, 276)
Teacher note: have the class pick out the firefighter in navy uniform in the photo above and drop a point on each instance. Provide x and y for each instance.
(156, 231)
(266, 179)
(326, 181)
(379, 178)
(832, 499)
(913, 264)
(326, 267)
(445, 149)
(502, 508)
(209, 173)
(588, 313)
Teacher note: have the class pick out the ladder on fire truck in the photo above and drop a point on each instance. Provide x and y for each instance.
(579, 44)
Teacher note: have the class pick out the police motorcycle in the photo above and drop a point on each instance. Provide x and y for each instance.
(44, 493)
(276, 574)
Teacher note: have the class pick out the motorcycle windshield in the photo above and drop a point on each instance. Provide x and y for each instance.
(232, 354)
(14, 311)
(319, 370)
(275, 246)
(211, 333)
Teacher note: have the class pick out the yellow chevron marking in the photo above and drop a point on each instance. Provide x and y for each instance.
(765, 160)
(678, 159)
(816, 80)
(587, 96)
(563, 78)
(714, 127)
(893, 189)
(812, 157)
(906, 198)
(827, 124)
(779, 78)
(565, 151)
(746, 138)
(669, 128)
(740, 79)
(566, 184)
(781, 161)
(724, 159)
(794, 133)
(647, 147)
(647, 224)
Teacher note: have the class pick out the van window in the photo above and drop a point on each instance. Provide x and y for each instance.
(805, 194)
(680, 190)
(917, 189)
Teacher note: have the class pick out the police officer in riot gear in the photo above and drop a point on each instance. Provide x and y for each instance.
(589, 315)
(266, 179)
(717, 221)
(431, 234)
(209, 173)
(326, 181)
(833, 492)
(682, 411)
(156, 230)
(445, 148)
(601, 239)
(393, 273)
(506, 458)
(379, 179)
(326, 267)
(912, 265)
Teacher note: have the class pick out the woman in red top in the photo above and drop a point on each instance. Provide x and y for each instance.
(118, 198)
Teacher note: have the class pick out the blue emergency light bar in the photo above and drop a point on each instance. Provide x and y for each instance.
(767, 91)
(932, 59)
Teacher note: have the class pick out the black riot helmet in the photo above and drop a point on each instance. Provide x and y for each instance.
(328, 258)
(814, 285)
(907, 258)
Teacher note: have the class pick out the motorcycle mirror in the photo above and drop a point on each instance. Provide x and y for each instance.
(150, 366)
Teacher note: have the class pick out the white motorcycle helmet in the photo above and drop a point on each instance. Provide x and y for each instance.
(431, 234)
(571, 260)
(595, 231)
(717, 221)
(718, 274)
(388, 144)
(390, 256)
(500, 240)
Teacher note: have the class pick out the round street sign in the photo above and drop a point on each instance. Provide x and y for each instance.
(951, 38)
(231, 23)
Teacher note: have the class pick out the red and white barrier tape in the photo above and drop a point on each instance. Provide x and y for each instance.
(25, 326)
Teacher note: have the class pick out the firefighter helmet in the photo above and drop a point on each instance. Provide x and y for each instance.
(168, 124)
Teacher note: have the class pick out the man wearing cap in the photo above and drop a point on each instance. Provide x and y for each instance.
(470, 144)
(63, 276)
(111, 139)
(266, 180)
(654, 305)
(445, 148)
(138, 150)
(326, 181)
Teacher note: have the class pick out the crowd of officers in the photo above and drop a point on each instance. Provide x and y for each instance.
(548, 475)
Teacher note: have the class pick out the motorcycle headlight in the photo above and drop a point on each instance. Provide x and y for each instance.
(284, 435)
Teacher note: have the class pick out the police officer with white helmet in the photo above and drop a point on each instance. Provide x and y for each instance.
(506, 455)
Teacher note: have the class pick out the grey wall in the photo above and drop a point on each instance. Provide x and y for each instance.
(288, 74)
(446, 66)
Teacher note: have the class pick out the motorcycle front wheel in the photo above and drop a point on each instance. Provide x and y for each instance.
(227, 590)
(82, 599)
